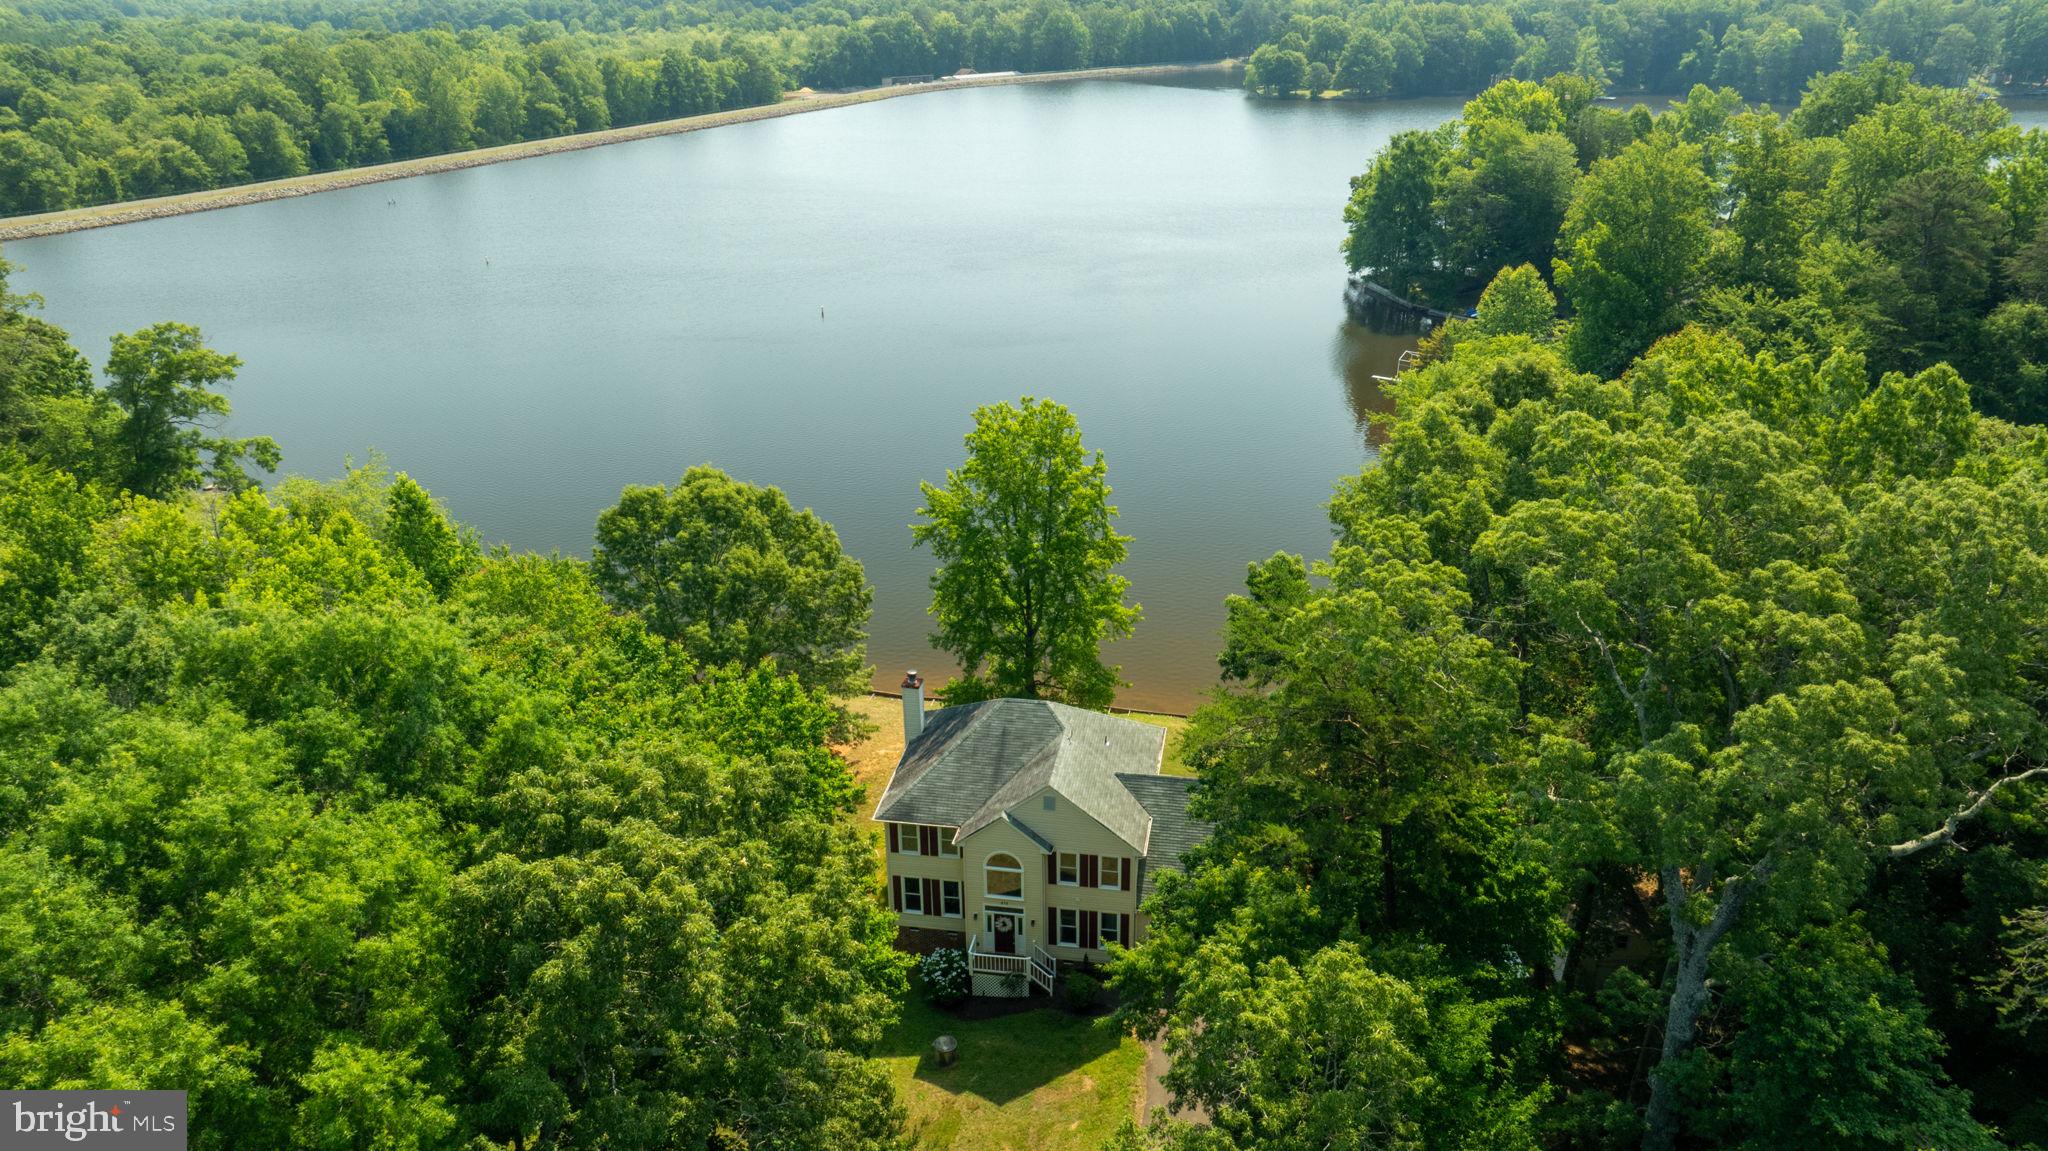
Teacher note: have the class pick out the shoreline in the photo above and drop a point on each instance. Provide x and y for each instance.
(186, 203)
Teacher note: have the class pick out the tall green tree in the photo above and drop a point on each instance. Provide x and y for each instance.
(49, 409)
(1357, 702)
(1503, 196)
(418, 530)
(1631, 251)
(1518, 303)
(1027, 591)
(735, 574)
(1392, 230)
(1276, 72)
(168, 438)
(1333, 1051)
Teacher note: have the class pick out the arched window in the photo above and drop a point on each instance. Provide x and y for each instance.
(1005, 879)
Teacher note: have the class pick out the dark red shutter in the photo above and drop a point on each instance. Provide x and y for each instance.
(1052, 868)
(1087, 877)
(1123, 929)
(895, 837)
(896, 892)
(1052, 934)
(931, 897)
(1123, 873)
(927, 841)
(1088, 929)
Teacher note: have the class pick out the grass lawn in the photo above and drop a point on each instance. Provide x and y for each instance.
(1039, 1081)
(1174, 725)
(872, 759)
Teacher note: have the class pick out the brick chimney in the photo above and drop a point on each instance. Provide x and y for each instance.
(913, 706)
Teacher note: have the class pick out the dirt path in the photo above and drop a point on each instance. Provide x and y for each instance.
(134, 211)
(1153, 1095)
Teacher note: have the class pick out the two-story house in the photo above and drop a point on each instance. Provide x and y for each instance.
(1029, 833)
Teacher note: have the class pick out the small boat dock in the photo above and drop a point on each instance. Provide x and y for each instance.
(1380, 307)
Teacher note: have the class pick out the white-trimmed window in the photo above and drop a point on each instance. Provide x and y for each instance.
(1108, 929)
(949, 898)
(1070, 869)
(913, 897)
(946, 845)
(1069, 928)
(906, 839)
(1003, 878)
(1107, 873)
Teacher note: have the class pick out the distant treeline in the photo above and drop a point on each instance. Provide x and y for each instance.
(102, 101)
(1766, 51)
(97, 106)
(1904, 223)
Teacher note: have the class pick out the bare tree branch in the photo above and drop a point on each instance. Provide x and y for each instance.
(1946, 833)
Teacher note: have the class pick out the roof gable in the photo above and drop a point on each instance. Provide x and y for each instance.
(974, 763)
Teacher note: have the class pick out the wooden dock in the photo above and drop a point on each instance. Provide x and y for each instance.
(1379, 305)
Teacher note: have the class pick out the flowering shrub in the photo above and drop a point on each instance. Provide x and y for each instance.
(946, 978)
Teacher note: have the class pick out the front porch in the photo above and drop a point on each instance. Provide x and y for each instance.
(1009, 974)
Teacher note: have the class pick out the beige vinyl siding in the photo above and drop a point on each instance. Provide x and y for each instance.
(920, 868)
(1067, 898)
(1070, 830)
(916, 839)
(999, 838)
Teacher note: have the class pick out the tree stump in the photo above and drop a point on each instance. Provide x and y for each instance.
(944, 1049)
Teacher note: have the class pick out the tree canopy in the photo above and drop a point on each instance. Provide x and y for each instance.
(1735, 642)
(367, 838)
(1670, 696)
(1765, 51)
(1899, 221)
(734, 574)
(1026, 591)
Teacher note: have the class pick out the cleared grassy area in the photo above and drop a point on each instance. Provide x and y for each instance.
(872, 759)
(1176, 726)
(1039, 1081)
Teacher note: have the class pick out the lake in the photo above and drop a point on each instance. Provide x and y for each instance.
(819, 302)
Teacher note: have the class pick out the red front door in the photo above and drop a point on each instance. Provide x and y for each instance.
(1005, 929)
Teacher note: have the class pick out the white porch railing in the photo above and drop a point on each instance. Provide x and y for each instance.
(1047, 967)
(1037, 966)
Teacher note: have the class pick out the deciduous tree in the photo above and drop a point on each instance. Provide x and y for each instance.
(1027, 591)
(168, 438)
(735, 574)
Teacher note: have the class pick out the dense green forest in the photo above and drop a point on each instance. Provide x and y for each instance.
(1658, 757)
(1766, 51)
(1904, 223)
(99, 103)
(369, 839)
(102, 101)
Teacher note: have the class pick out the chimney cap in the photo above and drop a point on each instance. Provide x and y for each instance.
(912, 679)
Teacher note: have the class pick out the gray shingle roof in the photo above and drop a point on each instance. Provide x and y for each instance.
(976, 761)
(1044, 844)
(1174, 833)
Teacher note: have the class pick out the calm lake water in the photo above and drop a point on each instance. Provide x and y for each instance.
(526, 338)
